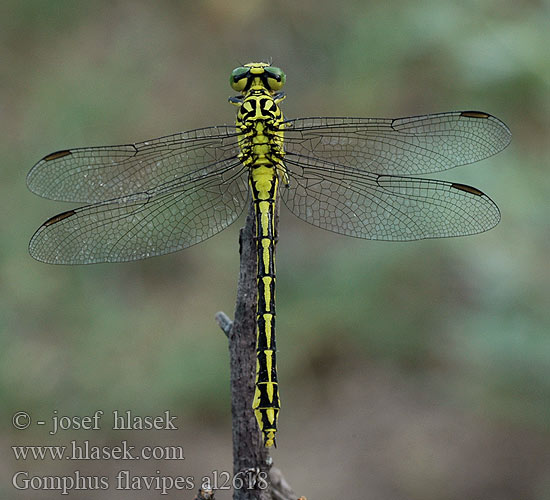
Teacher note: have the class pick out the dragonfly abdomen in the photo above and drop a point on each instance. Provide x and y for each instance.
(264, 183)
(266, 402)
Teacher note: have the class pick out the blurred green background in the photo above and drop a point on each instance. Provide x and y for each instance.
(407, 370)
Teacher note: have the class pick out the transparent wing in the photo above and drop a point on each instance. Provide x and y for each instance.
(95, 174)
(162, 220)
(401, 146)
(383, 207)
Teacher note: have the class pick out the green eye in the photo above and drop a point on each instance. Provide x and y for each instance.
(275, 77)
(239, 78)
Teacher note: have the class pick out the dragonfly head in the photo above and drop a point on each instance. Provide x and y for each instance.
(257, 74)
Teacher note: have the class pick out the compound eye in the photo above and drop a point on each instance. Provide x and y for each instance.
(239, 78)
(275, 78)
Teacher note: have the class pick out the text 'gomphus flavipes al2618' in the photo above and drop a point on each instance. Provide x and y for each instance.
(348, 175)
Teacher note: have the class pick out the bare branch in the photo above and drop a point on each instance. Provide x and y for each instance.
(251, 459)
(280, 489)
(249, 453)
(204, 495)
(224, 322)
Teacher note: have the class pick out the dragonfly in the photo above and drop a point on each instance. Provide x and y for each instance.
(352, 176)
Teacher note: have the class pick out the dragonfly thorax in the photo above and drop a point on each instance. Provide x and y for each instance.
(260, 123)
(259, 104)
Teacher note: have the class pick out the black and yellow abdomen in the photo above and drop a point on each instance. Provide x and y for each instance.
(263, 184)
(260, 125)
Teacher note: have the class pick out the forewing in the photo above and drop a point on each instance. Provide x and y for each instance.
(145, 224)
(384, 207)
(401, 146)
(96, 174)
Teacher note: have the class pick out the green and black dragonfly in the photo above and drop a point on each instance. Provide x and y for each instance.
(353, 176)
